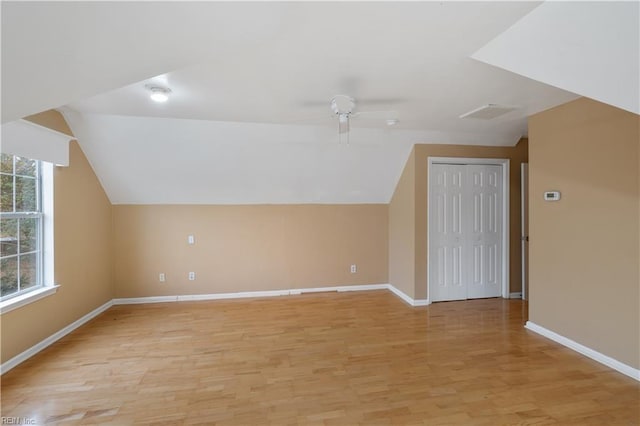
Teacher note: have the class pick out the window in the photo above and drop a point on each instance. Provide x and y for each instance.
(21, 226)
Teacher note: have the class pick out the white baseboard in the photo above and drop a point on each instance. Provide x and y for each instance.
(402, 295)
(340, 289)
(364, 287)
(53, 338)
(625, 369)
(245, 294)
(140, 300)
(239, 295)
(516, 295)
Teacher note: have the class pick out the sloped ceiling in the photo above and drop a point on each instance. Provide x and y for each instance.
(180, 161)
(590, 48)
(54, 53)
(248, 120)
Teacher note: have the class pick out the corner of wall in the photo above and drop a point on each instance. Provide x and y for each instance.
(402, 230)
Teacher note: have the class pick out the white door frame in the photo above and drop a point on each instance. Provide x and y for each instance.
(504, 163)
(524, 194)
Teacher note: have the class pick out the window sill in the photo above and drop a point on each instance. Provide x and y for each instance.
(25, 299)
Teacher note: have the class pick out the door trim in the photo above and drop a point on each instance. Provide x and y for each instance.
(524, 192)
(504, 163)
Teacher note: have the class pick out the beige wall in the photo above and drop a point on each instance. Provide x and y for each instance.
(247, 248)
(51, 119)
(83, 248)
(402, 233)
(584, 249)
(414, 234)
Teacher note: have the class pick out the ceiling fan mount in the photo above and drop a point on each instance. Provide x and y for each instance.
(342, 106)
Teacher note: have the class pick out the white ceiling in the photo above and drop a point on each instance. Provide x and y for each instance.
(248, 120)
(599, 56)
(54, 53)
(180, 161)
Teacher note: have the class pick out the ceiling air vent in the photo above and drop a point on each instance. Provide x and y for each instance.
(488, 112)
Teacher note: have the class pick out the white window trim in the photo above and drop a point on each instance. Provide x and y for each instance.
(27, 298)
(48, 286)
(47, 224)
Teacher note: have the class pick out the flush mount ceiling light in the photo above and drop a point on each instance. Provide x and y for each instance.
(158, 93)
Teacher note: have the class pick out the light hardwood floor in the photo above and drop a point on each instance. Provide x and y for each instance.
(326, 359)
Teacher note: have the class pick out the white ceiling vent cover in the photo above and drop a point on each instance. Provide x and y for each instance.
(488, 112)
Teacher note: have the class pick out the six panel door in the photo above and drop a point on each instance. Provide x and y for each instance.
(465, 231)
(484, 230)
(447, 273)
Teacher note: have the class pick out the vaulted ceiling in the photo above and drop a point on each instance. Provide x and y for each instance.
(248, 119)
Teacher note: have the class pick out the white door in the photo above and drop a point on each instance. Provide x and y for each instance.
(465, 231)
(484, 230)
(447, 274)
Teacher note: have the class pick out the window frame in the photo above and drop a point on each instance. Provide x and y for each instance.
(44, 242)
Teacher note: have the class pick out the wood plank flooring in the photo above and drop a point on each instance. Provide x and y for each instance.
(321, 359)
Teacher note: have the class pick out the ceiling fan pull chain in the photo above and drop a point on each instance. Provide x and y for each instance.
(348, 128)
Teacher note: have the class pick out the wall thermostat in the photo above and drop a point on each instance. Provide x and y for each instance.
(552, 195)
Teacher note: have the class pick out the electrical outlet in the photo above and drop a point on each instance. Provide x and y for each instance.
(192, 276)
(162, 277)
(191, 239)
(354, 269)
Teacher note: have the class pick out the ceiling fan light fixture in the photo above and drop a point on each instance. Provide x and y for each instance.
(158, 93)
